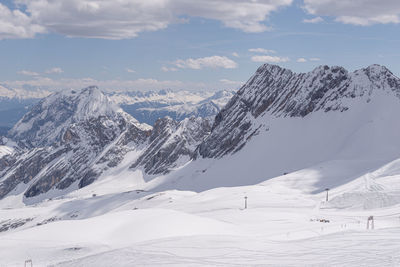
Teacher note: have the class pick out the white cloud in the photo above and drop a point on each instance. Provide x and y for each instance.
(384, 19)
(124, 19)
(130, 70)
(315, 59)
(313, 20)
(356, 12)
(262, 50)
(205, 62)
(270, 59)
(245, 15)
(28, 73)
(235, 54)
(166, 69)
(106, 19)
(56, 70)
(229, 82)
(15, 24)
(301, 60)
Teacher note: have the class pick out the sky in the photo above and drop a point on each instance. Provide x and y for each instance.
(190, 45)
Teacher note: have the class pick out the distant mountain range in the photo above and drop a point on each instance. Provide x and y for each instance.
(14, 103)
(146, 107)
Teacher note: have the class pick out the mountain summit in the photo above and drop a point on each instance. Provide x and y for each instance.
(278, 92)
(47, 121)
(68, 138)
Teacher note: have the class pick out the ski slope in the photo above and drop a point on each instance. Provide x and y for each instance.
(183, 228)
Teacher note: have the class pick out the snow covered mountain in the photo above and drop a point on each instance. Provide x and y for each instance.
(66, 140)
(280, 122)
(277, 123)
(69, 139)
(47, 121)
(278, 92)
(148, 107)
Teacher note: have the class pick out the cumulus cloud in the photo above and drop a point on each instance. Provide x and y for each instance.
(14, 24)
(100, 18)
(235, 54)
(315, 59)
(245, 15)
(356, 12)
(124, 19)
(270, 59)
(262, 50)
(313, 20)
(205, 62)
(301, 60)
(28, 73)
(55, 70)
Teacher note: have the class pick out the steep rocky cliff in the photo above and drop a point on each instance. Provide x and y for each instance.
(279, 92)
(172, 144)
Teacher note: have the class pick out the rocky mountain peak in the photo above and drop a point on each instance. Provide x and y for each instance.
(47, 121)
(68, 138)
(279, 92)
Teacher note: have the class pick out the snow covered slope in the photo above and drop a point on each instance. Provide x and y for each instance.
(281, 226)
(281, 122)
(277, 92)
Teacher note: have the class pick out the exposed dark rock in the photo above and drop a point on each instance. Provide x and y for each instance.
(279, 92)
(13, 224)
(172, 143)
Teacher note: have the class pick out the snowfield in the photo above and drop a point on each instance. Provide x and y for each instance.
(281, 225)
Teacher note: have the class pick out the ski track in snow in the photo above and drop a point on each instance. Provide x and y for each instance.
(211, 228)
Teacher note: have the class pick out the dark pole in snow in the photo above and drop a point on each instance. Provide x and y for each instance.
(327, 190)
(245, 202)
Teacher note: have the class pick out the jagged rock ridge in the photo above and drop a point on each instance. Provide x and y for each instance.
(280, 92)
(172, 143)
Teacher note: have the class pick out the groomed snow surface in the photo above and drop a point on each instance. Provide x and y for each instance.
(280, 227)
